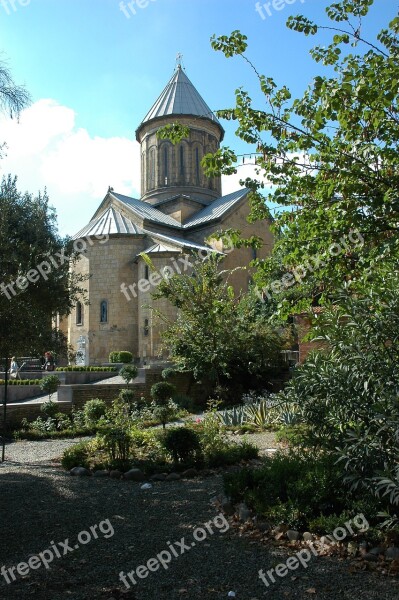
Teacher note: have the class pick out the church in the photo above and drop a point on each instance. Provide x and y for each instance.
(178, 209)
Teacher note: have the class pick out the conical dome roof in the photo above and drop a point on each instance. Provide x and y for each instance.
(180, 97)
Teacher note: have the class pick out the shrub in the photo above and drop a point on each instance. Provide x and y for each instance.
(49, 408)
(231, 454)
(50, 385)
(162, 391)
(117, 443)
(182, 443)
(127, 396)
(93, 410)
(165, 412)
(184, 402)
(168, 373)
(295, 487)
(125, 357)
(128, 373)
(76, 456)
(83, 369)
(114, 357)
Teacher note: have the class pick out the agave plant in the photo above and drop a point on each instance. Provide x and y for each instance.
(258, 414)
(233, 417)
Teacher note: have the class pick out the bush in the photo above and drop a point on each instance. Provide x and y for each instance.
(86, 369)
(49, 408)
(128, 373)
(293, 487)
(120, 357)
(50, 384)
(182, 443)
(21, 381)
(93, 410)
(128, 397)
(184, 402)
(114, 357)
(118, 445)
(162, 391)
(125, 357)
(168, 373)
(165, 412)
(77, 456)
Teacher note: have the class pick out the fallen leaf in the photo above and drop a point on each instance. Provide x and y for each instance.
(311, 591)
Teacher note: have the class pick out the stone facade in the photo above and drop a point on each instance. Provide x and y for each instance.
(178, 209)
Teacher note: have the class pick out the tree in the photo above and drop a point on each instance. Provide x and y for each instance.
(35, 278)
(331, 155)
(13, 98)
(217, 336)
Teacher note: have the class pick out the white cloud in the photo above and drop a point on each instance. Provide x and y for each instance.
(46, 149)
(231, 183)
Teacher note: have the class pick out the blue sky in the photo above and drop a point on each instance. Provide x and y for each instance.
(94, 72)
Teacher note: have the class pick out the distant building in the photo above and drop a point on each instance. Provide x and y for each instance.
(178, 209)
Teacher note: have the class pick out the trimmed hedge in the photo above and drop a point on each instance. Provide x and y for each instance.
(86, 369)
(121, 357)
(21, 381)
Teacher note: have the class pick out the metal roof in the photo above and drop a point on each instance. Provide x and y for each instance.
(146, 211)
(216, 209)
(181, 242)
(110, 221)
(180, 98)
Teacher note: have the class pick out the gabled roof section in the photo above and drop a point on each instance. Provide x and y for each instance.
(108, 222)
(180, 97)
(217, 209)
(177, 241)
(145, 211)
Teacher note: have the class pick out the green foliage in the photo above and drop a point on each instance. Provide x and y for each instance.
(93, 410)
(50, 384)
(164, 411)
(128, 373)
(217, 336)
(117, 443)
(49, 408)
(125, 357)
(87, 369)
(235, 416)
(28, 234)
(21, 381)
(348, 393)
(127, 396)
(329, 155)
(168, 373)
(292, 487)
(162, 391)
(77, 456)
(182, 443)
(121, 356)
(175, 133)
(185, 402)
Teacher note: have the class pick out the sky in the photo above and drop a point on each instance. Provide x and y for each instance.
(95, 67)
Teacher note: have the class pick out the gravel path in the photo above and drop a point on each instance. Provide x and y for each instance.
(41, 504)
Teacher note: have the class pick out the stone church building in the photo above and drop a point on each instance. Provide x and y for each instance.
(178, 209)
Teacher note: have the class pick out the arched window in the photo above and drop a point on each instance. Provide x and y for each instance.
(79, 313)
(165, 165)
(104, 312)
(181, 160)
(152, 168)
(197, 165)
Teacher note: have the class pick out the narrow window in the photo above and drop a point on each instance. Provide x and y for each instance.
(197, 164)
(165, 162)
(152, 168)
(146, 272)
(79, 313)
(181, 160)
(104, 312)
(146, 327)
